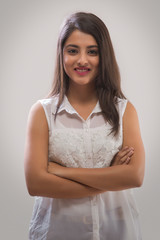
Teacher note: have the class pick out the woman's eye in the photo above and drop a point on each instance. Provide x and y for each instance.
(93, 52)
(72, 51)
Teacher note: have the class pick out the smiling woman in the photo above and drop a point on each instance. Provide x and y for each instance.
(81, 58)
(84, 151)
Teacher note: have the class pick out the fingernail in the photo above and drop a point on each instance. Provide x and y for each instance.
(131, 152)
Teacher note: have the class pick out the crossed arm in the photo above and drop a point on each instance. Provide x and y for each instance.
(39, 181)
(53, 180)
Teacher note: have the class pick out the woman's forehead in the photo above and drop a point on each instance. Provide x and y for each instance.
(80, 38)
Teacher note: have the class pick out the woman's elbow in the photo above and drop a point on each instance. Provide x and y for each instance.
(32, 192)
(32, 188)
(33, 185)
(139, 176)
(140, 181)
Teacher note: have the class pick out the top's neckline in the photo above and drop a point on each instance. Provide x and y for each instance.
(66, 106)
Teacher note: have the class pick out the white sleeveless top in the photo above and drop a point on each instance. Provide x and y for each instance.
(77, 143)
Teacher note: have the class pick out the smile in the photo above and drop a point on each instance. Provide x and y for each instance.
(82, 70)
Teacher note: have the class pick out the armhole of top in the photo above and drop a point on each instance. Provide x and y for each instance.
(46, 112)
(124, 106)
(121, 109)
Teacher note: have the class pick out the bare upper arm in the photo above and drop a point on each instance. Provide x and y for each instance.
(132, 138)
(36, 146)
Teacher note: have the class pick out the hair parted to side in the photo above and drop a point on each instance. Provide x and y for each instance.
(108, 80)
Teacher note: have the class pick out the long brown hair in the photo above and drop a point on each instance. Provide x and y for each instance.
(108, 80)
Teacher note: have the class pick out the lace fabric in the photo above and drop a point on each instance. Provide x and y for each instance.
(68, 147)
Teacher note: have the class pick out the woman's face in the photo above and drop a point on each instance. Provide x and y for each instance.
(81, 58)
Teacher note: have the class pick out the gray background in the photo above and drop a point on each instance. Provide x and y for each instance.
(28, 36)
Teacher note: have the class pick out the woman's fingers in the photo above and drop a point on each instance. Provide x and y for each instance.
(123, 156)
(127, 161)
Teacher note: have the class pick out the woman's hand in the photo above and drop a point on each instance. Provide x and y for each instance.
(55, 168)
(123, 156)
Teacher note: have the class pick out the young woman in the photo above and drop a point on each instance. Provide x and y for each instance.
(84, 151)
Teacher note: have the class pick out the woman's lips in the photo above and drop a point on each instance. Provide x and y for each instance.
(82, 71)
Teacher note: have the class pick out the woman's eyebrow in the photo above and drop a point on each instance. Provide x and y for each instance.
(76, 46)
(93, 46)
(71, 45)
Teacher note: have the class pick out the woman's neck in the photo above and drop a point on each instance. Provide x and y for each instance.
(82, 94)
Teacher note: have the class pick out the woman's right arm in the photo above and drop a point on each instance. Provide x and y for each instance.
(39, 181)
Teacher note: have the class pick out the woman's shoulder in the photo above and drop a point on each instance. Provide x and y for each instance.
(49, 104)
(130, 110)
(41, 111)
(44, 105)
(48, 101)
(126, 107)
(130, 117)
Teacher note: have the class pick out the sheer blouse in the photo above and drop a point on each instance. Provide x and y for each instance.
(78, 143)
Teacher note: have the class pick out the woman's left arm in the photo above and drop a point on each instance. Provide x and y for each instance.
(117, 177)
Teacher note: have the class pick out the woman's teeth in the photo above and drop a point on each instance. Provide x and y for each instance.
(82, 70)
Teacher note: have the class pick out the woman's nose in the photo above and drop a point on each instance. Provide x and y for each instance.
(82, 60)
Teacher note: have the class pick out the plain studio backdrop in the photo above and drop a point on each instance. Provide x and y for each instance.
(29, 31)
